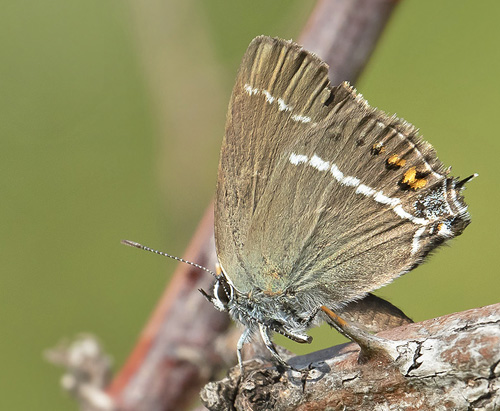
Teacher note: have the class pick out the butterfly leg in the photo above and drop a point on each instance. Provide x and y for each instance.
(264, 332)
(371, 345)
(243, 339)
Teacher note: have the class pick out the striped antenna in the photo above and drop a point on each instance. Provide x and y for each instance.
(143, 247)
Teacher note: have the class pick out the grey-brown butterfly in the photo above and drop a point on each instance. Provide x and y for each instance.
(321, 198)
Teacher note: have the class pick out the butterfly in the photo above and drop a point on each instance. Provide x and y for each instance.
(320, 199)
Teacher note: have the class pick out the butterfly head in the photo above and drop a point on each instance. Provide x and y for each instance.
(223, 292)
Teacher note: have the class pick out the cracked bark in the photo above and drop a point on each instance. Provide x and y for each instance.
(447, 363)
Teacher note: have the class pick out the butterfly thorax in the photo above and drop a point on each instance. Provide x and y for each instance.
(280, 313)
(283, 311)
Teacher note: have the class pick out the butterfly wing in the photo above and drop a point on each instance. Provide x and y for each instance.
(319, 192)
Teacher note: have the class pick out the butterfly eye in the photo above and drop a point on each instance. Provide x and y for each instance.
(223, 292)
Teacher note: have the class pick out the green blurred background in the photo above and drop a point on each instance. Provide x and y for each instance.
(111, 117)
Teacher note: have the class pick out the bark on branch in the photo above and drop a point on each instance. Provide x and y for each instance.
(447, 363)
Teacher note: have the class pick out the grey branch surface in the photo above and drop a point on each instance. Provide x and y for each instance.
(447, 363)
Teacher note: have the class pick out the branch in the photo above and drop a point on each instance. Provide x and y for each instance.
(451, 362)
(344, 34)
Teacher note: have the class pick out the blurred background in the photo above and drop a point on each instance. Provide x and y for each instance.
(111, 118)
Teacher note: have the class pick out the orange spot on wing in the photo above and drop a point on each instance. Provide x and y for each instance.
(396, 161)
(410, 175)
(411, 180)
(378, 148)
(419, 183)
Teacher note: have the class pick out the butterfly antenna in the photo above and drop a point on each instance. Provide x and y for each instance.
(143, 247)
